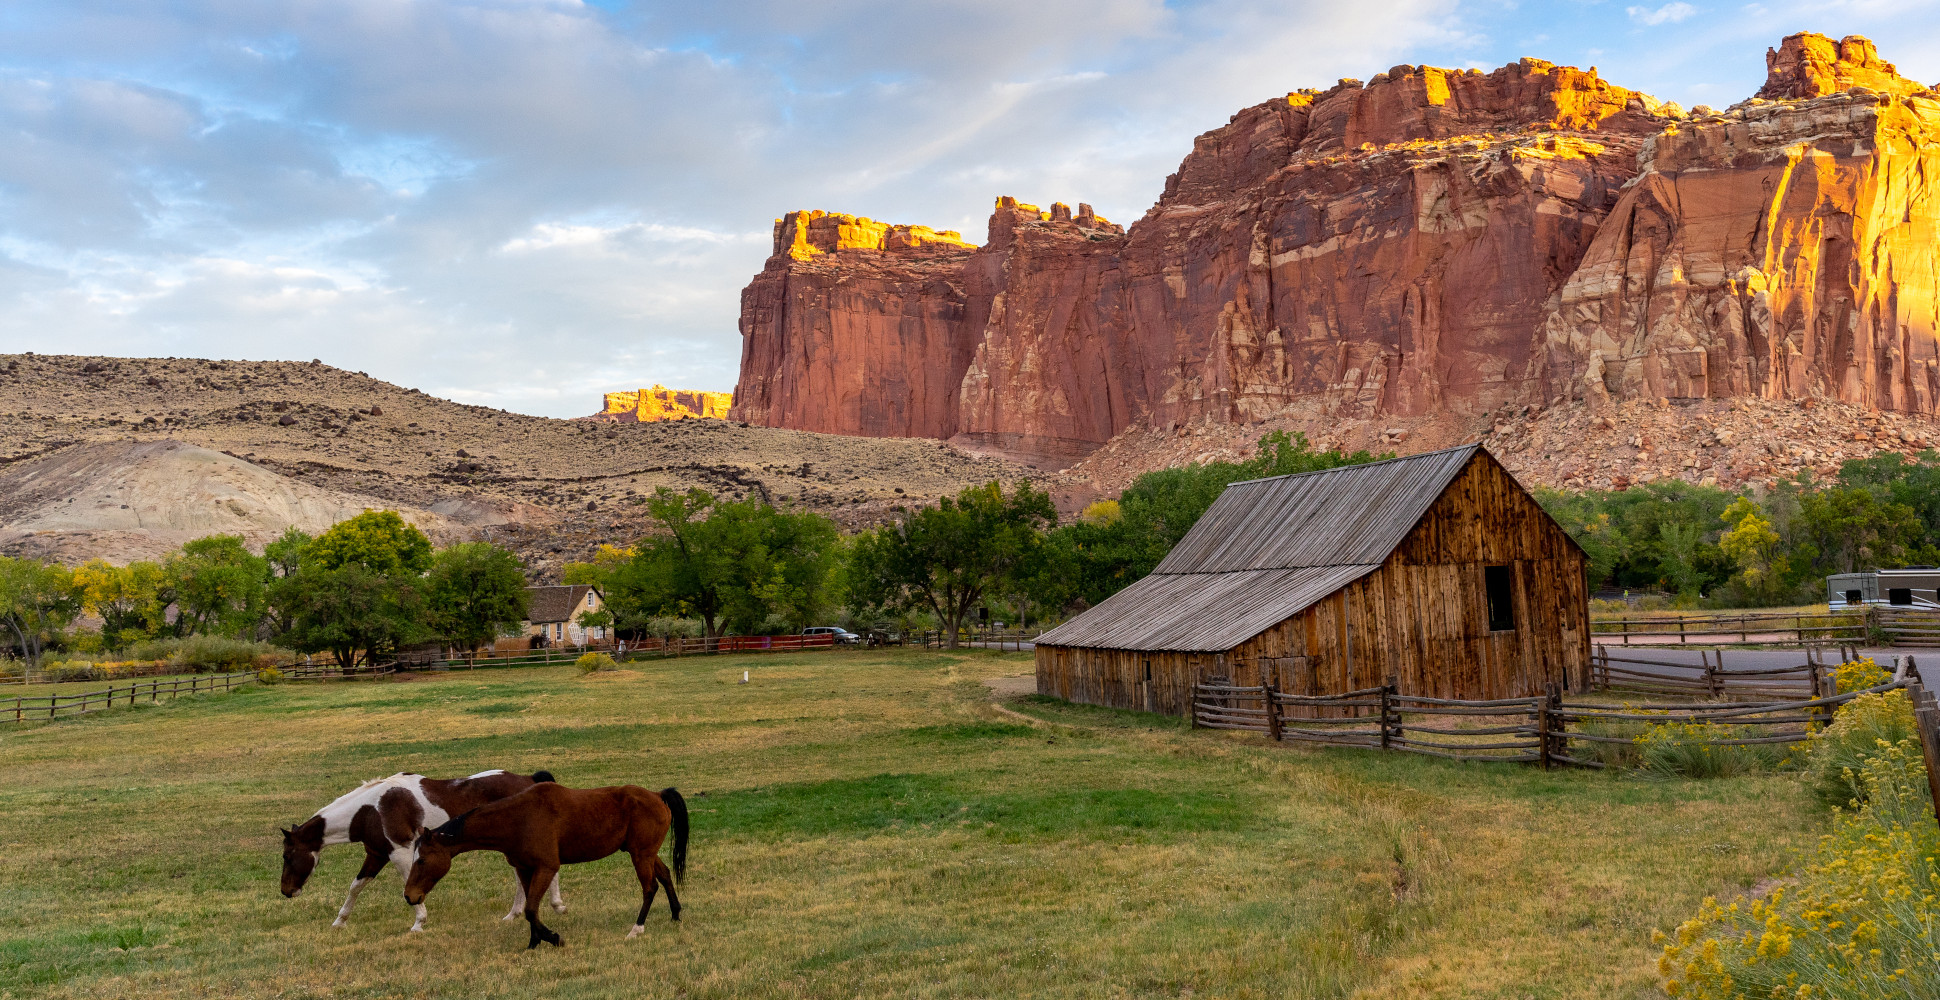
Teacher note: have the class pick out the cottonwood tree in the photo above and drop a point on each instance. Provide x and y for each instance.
(37, 601)
(731, 564)
(220, 587)
(378, 540)
(353, 613)
(475, 592)
(132, 601)
(947, 557)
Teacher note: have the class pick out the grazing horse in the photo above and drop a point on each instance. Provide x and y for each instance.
(386, 815)
(546, 826)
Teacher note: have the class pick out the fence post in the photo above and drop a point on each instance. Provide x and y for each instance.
(1542, 731)
(1926, 718)
(1272, 712)
(1388, 721)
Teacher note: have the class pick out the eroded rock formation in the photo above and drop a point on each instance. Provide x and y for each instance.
(1434, 244)
(661, 403)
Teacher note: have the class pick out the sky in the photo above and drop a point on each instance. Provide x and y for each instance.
(526, 203)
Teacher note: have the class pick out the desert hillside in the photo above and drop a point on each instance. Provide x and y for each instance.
(263, 444)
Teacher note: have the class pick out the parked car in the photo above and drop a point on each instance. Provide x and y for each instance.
(843, 637)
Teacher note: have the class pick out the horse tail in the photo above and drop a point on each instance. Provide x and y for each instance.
(538, 776)
(677, 806)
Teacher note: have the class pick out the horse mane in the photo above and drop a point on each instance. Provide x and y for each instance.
(454, 827)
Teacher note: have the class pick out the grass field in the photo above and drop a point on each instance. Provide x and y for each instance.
(865, 824)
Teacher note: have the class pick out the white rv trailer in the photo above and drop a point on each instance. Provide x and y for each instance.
(1911, 587)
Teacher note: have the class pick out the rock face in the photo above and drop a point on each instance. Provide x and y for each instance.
(661, 403)
(1807, 65)
(1432, 246)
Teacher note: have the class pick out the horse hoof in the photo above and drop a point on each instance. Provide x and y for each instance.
(635, 931)
(558, 907)
(415, 930)
(339, 922)
(514, 915)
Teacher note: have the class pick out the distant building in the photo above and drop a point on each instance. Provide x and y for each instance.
(555, 614)
(1437, 573)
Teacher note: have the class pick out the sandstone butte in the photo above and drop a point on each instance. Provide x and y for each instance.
(661, 403)
(1427, 248)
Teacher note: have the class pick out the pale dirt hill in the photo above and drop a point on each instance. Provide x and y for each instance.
(307, 440)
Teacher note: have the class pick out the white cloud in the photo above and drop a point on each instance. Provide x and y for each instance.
(1670, 13)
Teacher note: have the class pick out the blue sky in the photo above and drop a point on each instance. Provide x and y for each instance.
(524, 203)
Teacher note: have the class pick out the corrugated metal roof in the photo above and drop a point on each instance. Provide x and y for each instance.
(1265, 551)
(1201, 611)
(1336, 517)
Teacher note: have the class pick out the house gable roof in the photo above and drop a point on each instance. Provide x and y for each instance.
(546, 605)
(1267, 550)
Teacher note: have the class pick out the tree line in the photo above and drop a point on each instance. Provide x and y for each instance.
(1769, 546)
(373, 584)
(362, 589)
(747, 567)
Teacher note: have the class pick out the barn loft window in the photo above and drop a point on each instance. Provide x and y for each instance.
(1502, 604)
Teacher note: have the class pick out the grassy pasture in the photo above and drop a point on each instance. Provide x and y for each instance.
(865, 824)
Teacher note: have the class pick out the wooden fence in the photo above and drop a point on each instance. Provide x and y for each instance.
(1538, 730)
(48, 706)
(1711, 679)
(1742, 629)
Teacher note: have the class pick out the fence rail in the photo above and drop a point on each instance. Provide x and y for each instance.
(1543, 729)
(1711, 679)
(1749, 629)
(48, 706)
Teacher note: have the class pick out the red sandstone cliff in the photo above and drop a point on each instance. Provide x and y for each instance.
(1433, 245)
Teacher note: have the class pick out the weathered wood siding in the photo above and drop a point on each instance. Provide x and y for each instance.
(1420, 619)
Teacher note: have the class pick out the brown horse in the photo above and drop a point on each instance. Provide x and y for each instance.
(546, 826)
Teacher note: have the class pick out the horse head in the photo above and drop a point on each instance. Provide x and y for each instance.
(300, 847)
(432, 860)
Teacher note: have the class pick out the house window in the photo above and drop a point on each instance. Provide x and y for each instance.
(1502, 598)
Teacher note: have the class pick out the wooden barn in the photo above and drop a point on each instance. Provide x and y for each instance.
(1437, 572)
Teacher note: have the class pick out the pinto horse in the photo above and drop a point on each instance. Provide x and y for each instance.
(386, 815)
(546, 826)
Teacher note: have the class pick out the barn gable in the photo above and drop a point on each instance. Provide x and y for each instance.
(1265, 551)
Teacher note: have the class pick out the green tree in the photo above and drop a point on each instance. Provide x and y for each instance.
(378, 540)
(733, 565)
(946, 558)
(1852, 529)
(37, 601)
(219, 586)
(475, 592)
(285, 555)
(352, 612)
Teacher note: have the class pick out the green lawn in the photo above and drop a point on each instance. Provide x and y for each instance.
(865, 824)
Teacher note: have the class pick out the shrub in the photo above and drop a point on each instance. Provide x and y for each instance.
(1626, 754)
(1860, 922)
(1858, 675)
(591, 662)
(1693, 750)
(1838, 755)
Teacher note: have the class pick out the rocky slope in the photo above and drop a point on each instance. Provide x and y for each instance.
(261, 445)
(1402, 262)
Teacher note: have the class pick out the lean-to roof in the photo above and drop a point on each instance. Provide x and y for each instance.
(1265, 551)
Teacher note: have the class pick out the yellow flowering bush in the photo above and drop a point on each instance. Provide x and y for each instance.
(1837, 756)
(589, 663)
(1858, 675)
(1862, 921)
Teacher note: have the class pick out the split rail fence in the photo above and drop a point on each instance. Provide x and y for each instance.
(48, 706)
(1544, 729)
(1743, 629)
